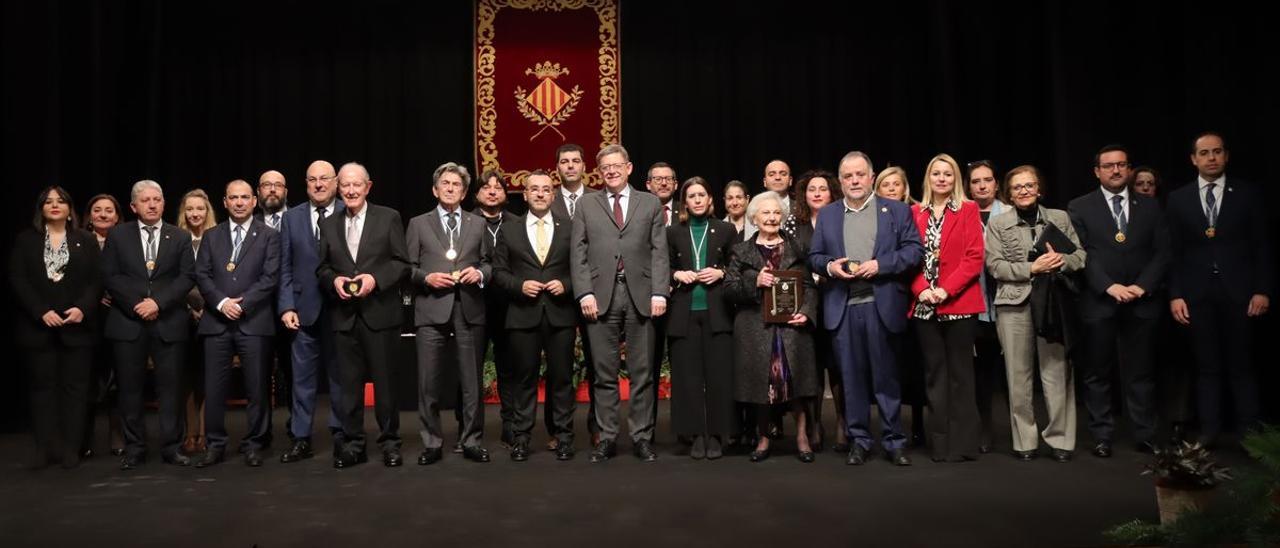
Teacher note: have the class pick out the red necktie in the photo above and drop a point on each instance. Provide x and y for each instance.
(666, 215)
(617, 219)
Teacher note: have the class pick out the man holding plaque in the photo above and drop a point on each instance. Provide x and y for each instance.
(362, 262)
(867, 247)
(448, 254)
(237, 270)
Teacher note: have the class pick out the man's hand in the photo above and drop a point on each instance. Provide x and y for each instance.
(440, 280)
(231, 308)
(1120, 293)
(1258, 305)
(868, 269)
(469, 276)
(73, 315)
(836, 269)
(52, 319)
(1137, 292)
(530, 288)
(339, 285)
(290, 320)
(657, 306)
(147, 309)
(367, 284)
(589, 310)
(555, 287)
(1178, 307)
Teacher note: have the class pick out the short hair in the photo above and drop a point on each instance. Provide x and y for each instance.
(569, 147)
(800, 206)
(1147, 169)
(1025, 168)
(738, 184)
(483, 179)
(1208, 133)
(656, 165)
(957, 196)
(539, 172)
(613, 149)
(88, 209)
(144, 184)
(683, 215)
(356, 165)
(754, 205)
(37, 222)
(973, 166)
(856, 154)
(1113, 147)
(454, 168)
(210, 219)
(234, 181)
(902, 174)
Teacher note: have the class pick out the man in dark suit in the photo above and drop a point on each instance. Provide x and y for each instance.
(148, 271)
(867, 247)
(490, 195)
(661, 182)
(1127, 243)
(302, 310)
(273, 205)
(531, 271)
(1221, 277)
(362, 262)
(620, 280)
(237, 270)
(447, 253)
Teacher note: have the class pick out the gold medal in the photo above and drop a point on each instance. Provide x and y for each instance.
(456, 274)
(151, 265)
(231, 267)
(353, 287)
(1210, 232)
(1120, 237)
(451, 254)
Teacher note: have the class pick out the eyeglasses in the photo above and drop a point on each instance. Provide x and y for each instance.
(1114, 165)
(325, 178)
(662, 179)
(1024, 187)
(270, 184)
(613, 167)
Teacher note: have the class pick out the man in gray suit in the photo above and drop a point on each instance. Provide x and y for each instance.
(621, 282)
(448, 252)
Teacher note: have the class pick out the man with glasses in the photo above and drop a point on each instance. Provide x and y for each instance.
(272, 196)
(1125, 238)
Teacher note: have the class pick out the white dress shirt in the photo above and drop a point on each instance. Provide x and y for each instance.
(566, 193)
(1219, 184)
(1124, 201)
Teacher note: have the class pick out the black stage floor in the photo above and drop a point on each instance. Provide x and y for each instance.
(676, 501)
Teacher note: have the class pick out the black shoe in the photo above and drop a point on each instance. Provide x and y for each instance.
(210, 458)
(857, 456)
(430, 456)
(301, 450)
(699, 449)
(759, 455)
(130, 463)
(604, 451)
(643, 450)
(253, 457)
(1146, 447)
(564, 450)
(347, 459)
(391, 458)
(1102, 450)
(176, 459)
(898, 457)
(806, 457)
(1062, 455)
(475, 453)
(1026, 456)
(715, 449)
(520, 451)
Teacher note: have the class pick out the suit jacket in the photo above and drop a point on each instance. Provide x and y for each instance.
(255, 278)
(428, 244)
(515, 261)
(897, 250)
(1240, 249)
(300, 289)
(124, 272)
(382, 255)
(720, 237)
(1141, 260)
(1007, 246)
(960, 259)
(560, 209)
(80, 287)
(641, 243)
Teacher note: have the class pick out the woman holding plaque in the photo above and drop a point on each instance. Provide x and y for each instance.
(773, 350)
(700, 323)
(195, 216)
(944, 311)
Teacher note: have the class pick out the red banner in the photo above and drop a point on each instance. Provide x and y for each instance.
(546, 73)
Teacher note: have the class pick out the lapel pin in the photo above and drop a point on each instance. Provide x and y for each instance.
(884, 210)
(713, 231)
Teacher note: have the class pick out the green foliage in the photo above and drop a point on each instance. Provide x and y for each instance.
(1186, 466)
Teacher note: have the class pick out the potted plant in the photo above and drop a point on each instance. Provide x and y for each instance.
(1185, 477)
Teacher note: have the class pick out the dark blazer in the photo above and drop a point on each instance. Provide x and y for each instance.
(124, 272)
(255, 278)
(720, 239)
(382, 255)
(300, 290)
(1141, 260)
(898, 251)
(427, 245)
(80, 287)
(1240, 249)
(560, 209)
(515, 261)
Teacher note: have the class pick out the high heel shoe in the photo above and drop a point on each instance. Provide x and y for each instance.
(806, 457)
(759, 455)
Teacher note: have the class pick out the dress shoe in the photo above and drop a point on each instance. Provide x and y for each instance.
(715, 449)
(699, 449)
(254, 457)
(857, 456)
(130, 463)
(1026, 456)
(604, 451)
(176, 459)
(520, 451)
(899, 457)
(347, 459)
(1102, 450)
(391, 458)
(430, 456)
(475, 453)
(209, 458)
(643, 450)
(1062, 455)
(301, 450)
(806, 457)
(564, 451)
(759, 455)
(1145, 447)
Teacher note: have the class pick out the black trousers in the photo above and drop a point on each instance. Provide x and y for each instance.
(255, 364)
(952, 422)
(528, 346)
(988, 377)
(702, 380)
(58, 378)
(365, 353)
(131, 374)
(1122, 342)
(1222, 338)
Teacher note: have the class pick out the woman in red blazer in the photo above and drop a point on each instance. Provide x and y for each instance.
(945, 308)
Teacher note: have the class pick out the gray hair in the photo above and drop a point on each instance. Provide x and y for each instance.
(613, 149)
(856, 154)
(142, 185)
(758, 201)
(356, 165)
(450, 167)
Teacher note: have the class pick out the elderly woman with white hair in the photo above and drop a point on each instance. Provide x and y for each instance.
(773, 362)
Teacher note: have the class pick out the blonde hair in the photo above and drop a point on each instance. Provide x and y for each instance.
(902, 174)
(957, 196)
(210, 218)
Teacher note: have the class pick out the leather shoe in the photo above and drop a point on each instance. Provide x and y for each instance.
(210, 458)
(806, 457)
(899, 457)
(699, 449)
(391, 458)
(759, 455)
(475, 453)
(857, 456)
(520, 451)
(715, 449)
(347, 459)
(176, 459)
(130, 463)
(430, 456)
(1062, 455)
(1025, 456)
(564, 451)
(643, 450)
(253, 457)
(1102, 450)
(301, 450)
(604, 451)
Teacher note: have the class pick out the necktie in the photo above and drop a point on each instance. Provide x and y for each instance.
(573, 204)
(319, 219)
(1117, 207)
(617, 219)
(1211, 204)
(540, 235)
(235, 243)
(353, 237)
(275, 221)
(453, 224)
(666, 215)
(151, 243)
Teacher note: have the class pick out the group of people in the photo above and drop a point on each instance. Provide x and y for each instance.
(973, 277)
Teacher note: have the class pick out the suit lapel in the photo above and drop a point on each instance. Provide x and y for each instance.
(632, 204)
(526, 246)
(603, 200)
(883, 231)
